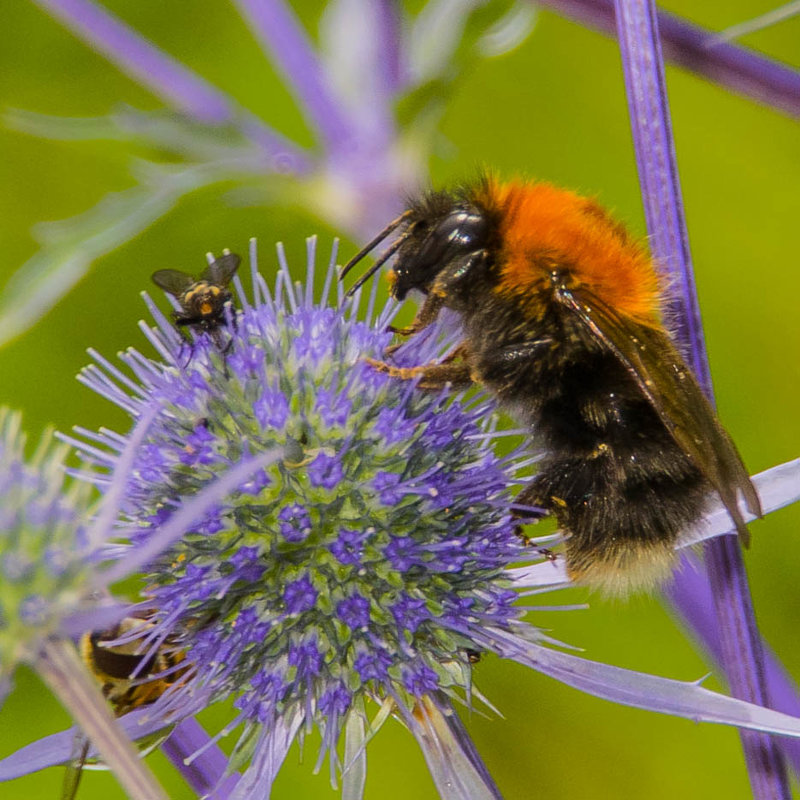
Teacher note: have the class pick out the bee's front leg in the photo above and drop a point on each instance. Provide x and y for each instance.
(431, 376)
(425, 316)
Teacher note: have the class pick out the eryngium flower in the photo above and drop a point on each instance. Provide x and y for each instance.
(354, 546)
(43, 545)
(353, 568)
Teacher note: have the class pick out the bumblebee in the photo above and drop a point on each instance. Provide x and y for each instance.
(202, 300)
(560, 309)
(129, 679)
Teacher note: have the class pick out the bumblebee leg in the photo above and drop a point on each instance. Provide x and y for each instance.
(537, 508)
(460, 351)
(432, 376)
(522, 352)
(447, 282)
(425, 316)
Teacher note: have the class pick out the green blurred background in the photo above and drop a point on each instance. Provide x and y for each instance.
(553, 108)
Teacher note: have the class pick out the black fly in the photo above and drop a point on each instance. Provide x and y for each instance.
(202, 300)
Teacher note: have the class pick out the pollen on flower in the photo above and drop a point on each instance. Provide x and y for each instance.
(355, 567)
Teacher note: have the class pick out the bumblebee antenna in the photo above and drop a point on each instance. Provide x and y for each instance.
(384, 257)
(371, 245)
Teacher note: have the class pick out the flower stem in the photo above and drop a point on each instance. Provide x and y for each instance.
(61, 668)
(743, 71)
(167, 78)
(283, 40)
(741, 651)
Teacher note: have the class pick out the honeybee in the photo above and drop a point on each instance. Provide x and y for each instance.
(560, 309)
(129, 679)
(202, 300)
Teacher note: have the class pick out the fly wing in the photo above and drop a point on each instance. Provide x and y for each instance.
(172, 281)
(221, 271)
(673, 392)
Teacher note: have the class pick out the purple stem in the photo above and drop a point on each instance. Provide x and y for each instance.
(741, 70)
(388, 37)
(205, 774)
(658, 176)
(740, 645)
(283, 39)
(164, 76)
(693, 591)
(382, 61)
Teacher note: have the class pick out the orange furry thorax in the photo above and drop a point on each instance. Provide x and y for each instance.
(543, 228)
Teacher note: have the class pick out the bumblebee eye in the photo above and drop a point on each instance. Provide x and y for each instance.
(462, 229)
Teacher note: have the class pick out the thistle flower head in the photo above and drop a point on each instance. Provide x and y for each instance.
(355, 565)
(43, 547)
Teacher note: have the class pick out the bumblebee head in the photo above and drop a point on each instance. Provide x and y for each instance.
(435, 245)
(434, 235)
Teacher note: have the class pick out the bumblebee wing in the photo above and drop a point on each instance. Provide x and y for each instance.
(172, 281)
(221, 271)
(673, 392)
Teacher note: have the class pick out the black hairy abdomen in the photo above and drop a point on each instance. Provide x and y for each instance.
(611, 473)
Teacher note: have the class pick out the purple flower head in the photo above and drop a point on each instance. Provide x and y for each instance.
(44, 553)
(328, 564)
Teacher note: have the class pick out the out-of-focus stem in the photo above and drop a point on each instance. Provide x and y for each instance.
(736, 68)
(286, 43)
(61, 668)
(169, 79)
